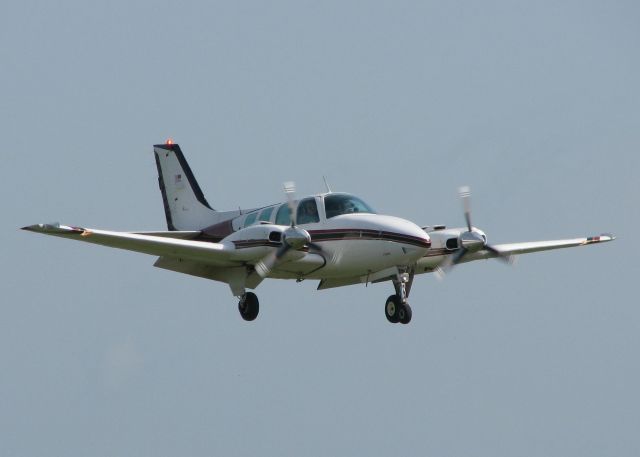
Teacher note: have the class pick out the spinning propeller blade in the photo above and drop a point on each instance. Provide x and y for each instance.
(469, 241)
(264, 266)
(465, 195)
(506, 258)
(290, 192)
(292, 238)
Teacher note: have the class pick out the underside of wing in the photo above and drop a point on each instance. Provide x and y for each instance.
(296, 269)
(214, 254)
(208, 271)
(177, 234)
(338, 282)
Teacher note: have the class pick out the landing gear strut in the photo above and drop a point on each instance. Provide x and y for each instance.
(397, 309)
(249, 306)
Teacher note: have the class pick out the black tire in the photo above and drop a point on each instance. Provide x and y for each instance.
(405, 313)
(249, 306)
(391, 309)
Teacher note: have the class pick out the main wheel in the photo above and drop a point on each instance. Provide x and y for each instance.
(405, 313)
(249, 306)
(392, 308)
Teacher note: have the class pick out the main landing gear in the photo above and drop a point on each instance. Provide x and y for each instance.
(249, 306)
(397, 308)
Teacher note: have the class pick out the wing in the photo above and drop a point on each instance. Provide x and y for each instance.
(510, 249)
(158, 244)
(179, 251)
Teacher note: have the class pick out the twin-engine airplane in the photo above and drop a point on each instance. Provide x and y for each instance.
(333, 237)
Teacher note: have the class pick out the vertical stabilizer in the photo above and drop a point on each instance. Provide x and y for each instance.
(185, 206)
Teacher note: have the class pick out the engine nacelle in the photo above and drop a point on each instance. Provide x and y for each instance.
(452, 239)
(256, 241)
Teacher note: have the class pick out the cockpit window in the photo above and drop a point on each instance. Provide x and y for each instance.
(283, 216)
(337, 204)
(307, 211)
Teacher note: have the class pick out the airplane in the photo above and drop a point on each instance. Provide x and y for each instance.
(333, 237)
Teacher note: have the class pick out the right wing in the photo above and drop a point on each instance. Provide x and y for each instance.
(179, 252)
(214, 254)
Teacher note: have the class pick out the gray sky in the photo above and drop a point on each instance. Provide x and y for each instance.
(532, 104)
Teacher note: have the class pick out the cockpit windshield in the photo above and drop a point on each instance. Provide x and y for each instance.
(337, 204)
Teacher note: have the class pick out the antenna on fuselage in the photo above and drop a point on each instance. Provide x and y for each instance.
(326, 184)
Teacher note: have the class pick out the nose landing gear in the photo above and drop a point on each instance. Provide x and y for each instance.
(397, 309)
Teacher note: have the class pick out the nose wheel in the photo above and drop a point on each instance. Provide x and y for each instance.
(249, 306)
(397, 309)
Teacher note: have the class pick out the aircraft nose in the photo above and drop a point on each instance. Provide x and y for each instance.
(408, 233)
(418, 236)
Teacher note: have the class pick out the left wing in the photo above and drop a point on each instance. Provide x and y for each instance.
(510, 249)
(214, 254)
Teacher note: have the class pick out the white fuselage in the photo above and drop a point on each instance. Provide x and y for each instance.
(357, 244)
(346, 245)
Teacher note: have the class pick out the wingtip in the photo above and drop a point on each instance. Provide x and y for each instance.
(41, 227)
(53, 228)
(603, 238)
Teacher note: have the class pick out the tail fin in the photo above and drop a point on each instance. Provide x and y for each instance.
(185, 206)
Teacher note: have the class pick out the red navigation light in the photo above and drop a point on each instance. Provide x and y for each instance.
(169, 142)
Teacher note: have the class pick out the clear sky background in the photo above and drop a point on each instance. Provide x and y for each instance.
(535, 105)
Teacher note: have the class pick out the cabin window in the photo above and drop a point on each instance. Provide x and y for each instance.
(307, 211)
(251, 218)
(265, 215)
(283, 216)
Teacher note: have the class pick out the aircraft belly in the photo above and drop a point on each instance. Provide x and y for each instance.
(429, 263)
(299, 268)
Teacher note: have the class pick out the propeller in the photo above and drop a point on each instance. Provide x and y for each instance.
(290, 192)
(470, 241)
(293, 237)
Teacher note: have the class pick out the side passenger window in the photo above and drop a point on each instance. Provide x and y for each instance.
(265, 215)
(251, 218)
(283, 217)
